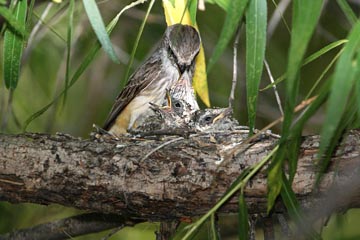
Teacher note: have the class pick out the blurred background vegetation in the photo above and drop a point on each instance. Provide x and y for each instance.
(90, 99)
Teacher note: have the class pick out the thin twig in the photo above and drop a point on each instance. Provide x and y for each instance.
(183, 132)
(234, 80)
(160, 146)
(278, 100)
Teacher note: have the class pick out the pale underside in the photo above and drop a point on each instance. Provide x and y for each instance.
(138, 109)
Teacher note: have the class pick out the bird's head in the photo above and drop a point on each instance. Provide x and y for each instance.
(184, 45)
(209, 117)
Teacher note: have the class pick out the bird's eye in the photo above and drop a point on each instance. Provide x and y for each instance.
(177, 104)
(208, 119)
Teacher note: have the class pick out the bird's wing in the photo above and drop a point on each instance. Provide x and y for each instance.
(138, 81)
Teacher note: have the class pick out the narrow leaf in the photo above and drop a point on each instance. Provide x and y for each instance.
(132, 57)
(346, 122)
(293, 154)
(349, 13)
(214, 228)
(68, 46)
(289, 198)
(172, 2)
(256, 17)
(243, 218)
(305, 16)
(83, 66)
(292, 205)
(343, 81)
(13, 47)
(274, 181)
(30, 15)
(177, 12)
(98, 26)
(200, 78)
(13, 21)
(296, 132)
(234, 15)
(245, 176)
(224, 4)
(193, 10)
(309, 59)
(324, 50)
(323, 73)
(357, 89)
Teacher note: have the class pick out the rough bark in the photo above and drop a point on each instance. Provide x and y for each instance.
(181, 177)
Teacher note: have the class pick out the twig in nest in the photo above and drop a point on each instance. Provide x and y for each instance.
(182, 132)
(240, 146)
(161, 146)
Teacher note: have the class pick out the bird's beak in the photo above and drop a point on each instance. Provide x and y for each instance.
(182, 68)
(225, 113)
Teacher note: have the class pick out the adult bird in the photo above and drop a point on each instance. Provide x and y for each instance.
(175, 55)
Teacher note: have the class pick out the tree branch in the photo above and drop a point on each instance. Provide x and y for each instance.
(72, 227)
(183, 178)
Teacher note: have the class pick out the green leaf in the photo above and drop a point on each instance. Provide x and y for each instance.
(234, 15)
(172, 2)
(357, 93)
(83, 66)
(305, 16)
(29, 16)
(239, 183)
(13, 47)
(343, 81)
(256, 17)
(295, 138)
(289, 198)
(346, 122)
(312, 108)
(12, 18)
(349, 13)
(224, 4)
(293, 154)
(274, 181)
(214, 230)
(98, 26)
(324, 50)
(324, 72)
(136, 44)
(68, 46)
(243, 218)
(357, 88)
(292, 205)
(193, 10)
(309, 59)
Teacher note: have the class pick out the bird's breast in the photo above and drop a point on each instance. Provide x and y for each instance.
(155, 93)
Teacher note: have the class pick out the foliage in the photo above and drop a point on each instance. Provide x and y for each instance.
(49, 48)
